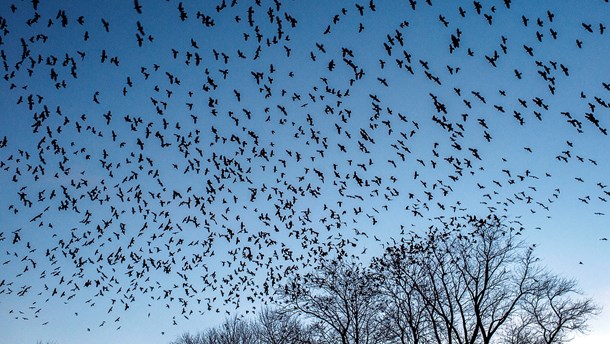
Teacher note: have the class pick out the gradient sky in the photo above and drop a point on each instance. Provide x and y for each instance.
(229, 145)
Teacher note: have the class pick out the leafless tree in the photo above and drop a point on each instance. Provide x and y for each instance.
(407, 317)
(278, 326)
(187, 338)
(469, 281)
(557, 310)
(342, 299)
(473, 281)
(494, 273)
(232, 331)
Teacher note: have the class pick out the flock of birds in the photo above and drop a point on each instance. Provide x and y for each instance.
(194, 155)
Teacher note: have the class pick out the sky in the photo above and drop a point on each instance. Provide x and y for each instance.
(164, 164)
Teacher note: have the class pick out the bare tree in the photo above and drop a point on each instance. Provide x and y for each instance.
(496, 272)
(342, 299)
(472, 282)
(237, 331)
(556, 310)
(277, 326)
(187, 338)
(232, 331)
(406, 314)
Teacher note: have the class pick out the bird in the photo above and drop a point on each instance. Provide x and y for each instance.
(137, 6)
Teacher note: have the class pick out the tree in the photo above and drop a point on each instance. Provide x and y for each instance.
(341, 298)
(277, 326)
(555, 311)
(187, 338)
(237, 331)
(232, 331)
(272, 326)
(405, 308)
(472, 282)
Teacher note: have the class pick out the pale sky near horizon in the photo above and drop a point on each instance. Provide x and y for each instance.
(163, 167)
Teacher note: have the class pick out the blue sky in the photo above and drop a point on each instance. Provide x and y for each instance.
(193, 148)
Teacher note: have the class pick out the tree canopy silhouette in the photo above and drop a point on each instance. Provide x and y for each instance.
(471, 280)
(474, 281)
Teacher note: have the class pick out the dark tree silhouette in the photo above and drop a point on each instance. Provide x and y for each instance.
(473, 281)
(277, 326)
(232, 331)
(555, 311)
(271, 326)
(470, 281)
(342, 299)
